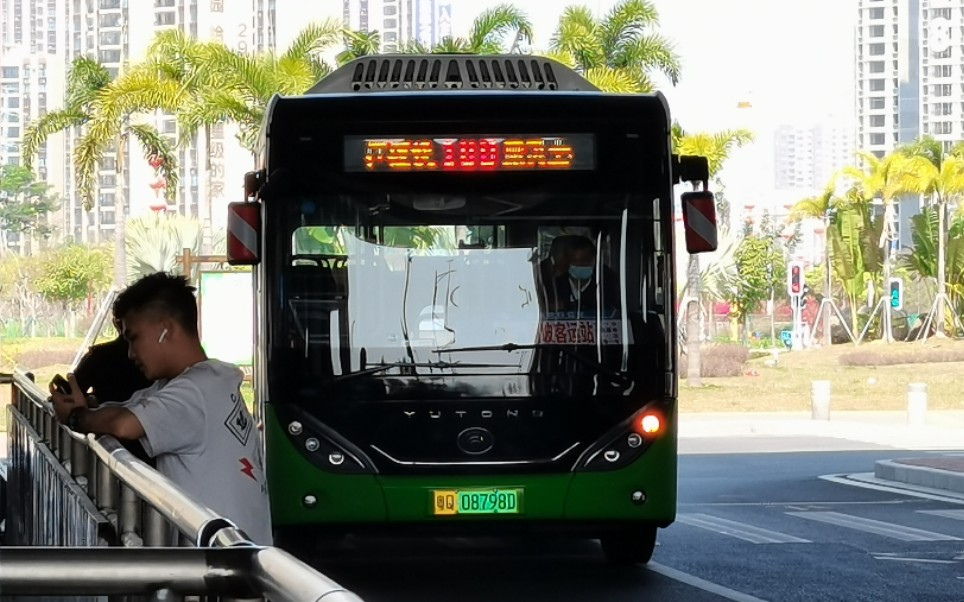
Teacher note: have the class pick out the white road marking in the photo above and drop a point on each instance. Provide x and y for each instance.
(703, 584)
(954, 514)
(739, 530)
(868, 481)
(874, 526)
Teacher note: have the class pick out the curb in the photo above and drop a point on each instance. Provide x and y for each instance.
(933, 478)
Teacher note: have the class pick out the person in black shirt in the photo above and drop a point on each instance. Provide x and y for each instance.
(108, 372)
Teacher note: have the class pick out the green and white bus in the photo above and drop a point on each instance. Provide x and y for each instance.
(464, 293)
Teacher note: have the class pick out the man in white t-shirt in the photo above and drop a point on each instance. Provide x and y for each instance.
(192, 419)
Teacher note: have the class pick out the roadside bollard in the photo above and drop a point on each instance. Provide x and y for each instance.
(820, 400)
(917, 404)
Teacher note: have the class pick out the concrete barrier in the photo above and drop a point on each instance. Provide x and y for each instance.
(917, 404)
(820, 400)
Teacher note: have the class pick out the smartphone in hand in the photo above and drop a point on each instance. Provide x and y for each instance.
(61, 384)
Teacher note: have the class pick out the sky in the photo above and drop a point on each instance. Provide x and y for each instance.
(792, 59)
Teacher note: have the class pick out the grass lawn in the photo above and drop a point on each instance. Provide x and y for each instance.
(45, 357)
(786, 386)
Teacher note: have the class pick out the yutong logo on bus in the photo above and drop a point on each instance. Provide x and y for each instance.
(485, 414)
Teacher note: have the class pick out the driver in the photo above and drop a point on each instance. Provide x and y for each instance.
(582, 281)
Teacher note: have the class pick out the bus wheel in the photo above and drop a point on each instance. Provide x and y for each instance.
(633, 545)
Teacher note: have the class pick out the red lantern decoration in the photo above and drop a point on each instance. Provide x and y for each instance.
(156, 161)
(158, 185)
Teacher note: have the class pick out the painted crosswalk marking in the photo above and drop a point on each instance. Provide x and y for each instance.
(874, 526)
(955, 514)
(735, 529)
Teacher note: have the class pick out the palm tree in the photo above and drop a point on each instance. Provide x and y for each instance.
(881, 179)
(619, 51)
(85, 78)
(717, 148)
(853, 236)
(111, 126)
(940, 176)
(217, 84)
(90, 102)
(820, 207)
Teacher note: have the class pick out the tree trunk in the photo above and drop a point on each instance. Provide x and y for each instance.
(206, 212)
(693, 359)
(120, 217)
(941, 267)
(888, 331)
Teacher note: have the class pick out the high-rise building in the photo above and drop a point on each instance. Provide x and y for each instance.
(806, 158)
(793, 158)
(834, 148)
(890, 90)
(400, 21)
(910, 80)
(31, 84)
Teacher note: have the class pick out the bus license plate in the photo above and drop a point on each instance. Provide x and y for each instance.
(451, 502)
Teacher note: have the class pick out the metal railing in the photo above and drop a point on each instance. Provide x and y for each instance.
(91, 496)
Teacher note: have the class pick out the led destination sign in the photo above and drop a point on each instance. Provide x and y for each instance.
(470, 153)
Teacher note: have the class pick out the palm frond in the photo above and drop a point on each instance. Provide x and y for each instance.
(252, 77)
(293, 76)
(85, 78)
(577, 16)
(559, 56)
(37, 131)
(87, 155)
(815, 206)
(415, 47)
(617, 81)
(450, 45)
(140, 90)
(490, 27)
(359, 44)
(625, 23)
(314, 38)
(716, 147)
(579, 41)
(650, 52)
(155, 145)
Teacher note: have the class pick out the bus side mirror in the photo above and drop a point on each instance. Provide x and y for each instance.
(699, 221)
(244, 233)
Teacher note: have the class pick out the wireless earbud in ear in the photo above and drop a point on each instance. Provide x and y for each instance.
(160, 339)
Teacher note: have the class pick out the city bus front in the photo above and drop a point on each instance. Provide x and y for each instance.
(465, 309)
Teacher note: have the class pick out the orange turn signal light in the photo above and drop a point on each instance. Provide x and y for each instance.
(650, 424)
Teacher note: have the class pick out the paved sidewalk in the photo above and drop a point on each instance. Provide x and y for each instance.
(943, 430)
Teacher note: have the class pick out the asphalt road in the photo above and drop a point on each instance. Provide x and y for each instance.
(756, 522)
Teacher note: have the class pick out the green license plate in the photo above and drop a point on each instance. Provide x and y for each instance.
(451, 502)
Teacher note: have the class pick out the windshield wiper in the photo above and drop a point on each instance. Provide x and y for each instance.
(599, 368)
(438, 365)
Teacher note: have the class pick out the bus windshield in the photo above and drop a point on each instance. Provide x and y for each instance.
(441, 297)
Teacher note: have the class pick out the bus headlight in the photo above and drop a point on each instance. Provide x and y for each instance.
(325, 448)
(625, 443)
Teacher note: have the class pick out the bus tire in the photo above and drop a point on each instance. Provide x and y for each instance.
(633, 545)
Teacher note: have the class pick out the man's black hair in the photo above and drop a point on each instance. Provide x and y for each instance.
(167, 295)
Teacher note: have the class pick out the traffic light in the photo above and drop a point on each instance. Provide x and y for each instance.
(795, 282)
(896, 288)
